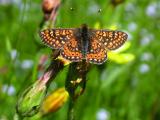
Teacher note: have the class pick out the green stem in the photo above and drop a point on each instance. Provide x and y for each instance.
(71, 110)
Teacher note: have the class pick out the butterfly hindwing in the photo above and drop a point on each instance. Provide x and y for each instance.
(72, 50)
(96, 54)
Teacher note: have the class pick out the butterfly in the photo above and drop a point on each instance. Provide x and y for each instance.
(77, 44)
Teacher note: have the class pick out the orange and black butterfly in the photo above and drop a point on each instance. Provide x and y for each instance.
(77, 44)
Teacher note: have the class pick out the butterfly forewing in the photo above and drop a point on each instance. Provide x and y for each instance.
(56, 38)
(110, 39)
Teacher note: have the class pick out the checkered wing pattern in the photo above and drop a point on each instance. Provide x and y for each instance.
(56, 38)
(68, 41)
(97, 53)
(65, 40)
(72, 50)
(111, 40)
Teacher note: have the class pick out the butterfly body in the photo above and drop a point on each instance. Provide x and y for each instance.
(84, 40)
(77, 44)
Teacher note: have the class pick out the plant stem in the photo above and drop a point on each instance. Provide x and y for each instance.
(71, 110)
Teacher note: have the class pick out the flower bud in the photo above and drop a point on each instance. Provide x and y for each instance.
(49, 5)
(54, 101)
(30, 100)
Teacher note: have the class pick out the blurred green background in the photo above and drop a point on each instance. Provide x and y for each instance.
(125, 90)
